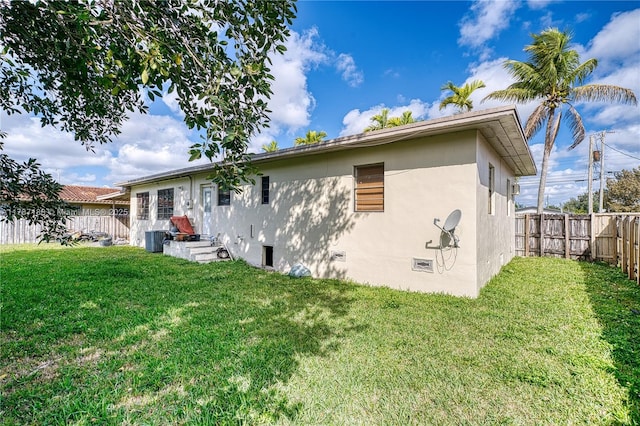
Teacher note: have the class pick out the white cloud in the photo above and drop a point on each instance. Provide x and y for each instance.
(484, 22)
(616, 42)
(291, 103)
(355, 121)
(54, 149)
(350, 72)
(538, 4)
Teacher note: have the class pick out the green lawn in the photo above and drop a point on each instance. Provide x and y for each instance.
(117, 335)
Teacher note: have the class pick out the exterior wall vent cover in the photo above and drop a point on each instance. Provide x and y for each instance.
(422, 265)
(339, 256)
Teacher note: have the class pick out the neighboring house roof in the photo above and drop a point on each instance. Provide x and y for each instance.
(501, 127)
(89, 195)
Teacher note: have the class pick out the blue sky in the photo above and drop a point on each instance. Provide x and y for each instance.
(347, 60)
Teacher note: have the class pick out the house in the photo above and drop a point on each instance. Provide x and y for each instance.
(95, 201)
(376, 208)
(97, 209)
(91, 209)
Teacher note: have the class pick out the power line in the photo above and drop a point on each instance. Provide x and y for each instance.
(623, 153)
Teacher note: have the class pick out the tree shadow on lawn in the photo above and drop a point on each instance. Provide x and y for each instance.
(208, 344)
(616, 301)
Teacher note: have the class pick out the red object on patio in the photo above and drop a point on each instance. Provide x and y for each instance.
(183, 224)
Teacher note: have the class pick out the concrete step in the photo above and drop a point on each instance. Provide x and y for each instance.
(207, 257)
(193, 244)
(202, 250)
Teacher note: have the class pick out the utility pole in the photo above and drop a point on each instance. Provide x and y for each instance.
(590, 178)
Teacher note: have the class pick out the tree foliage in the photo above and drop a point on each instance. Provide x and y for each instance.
(383, 121)
(580, 203)
(461, 95)
(84, 66)
(624, 191)
(554, 77)
(29, 193)
(271, 147)
(310, 138)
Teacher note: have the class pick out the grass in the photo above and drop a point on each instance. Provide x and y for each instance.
(117, 335)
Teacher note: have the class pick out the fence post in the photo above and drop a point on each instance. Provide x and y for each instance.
(541, 244)
(526, 235)
(592, 237)
(567, 241)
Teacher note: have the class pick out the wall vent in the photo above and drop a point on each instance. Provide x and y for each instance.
(422, 265)
(339, 256)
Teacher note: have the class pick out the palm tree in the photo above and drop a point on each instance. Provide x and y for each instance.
(554, 76)
(310, 138)
(272, 147)
(406, 118)
(380, 121)
(460, 97)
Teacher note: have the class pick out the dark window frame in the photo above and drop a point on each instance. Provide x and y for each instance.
(142, 206)
(265, 189)
(224, 196)
(166, 200)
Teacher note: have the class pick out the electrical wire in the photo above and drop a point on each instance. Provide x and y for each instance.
(623, 153)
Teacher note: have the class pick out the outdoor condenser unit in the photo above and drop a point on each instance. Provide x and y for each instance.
(153, 241)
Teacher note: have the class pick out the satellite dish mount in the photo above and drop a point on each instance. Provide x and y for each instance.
(448, 238)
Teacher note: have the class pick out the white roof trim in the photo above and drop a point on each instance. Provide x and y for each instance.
(500, 126)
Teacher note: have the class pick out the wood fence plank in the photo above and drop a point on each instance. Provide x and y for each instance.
(567, 241)
(527, 219)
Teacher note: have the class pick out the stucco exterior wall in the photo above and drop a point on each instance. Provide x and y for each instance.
(311, 215)
(496, 229)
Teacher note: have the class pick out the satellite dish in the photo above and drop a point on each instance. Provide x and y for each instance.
(452, 220)
(448, 237)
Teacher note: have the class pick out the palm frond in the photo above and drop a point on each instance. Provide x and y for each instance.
(604, 93)
(513, 94)
(535, 121)
(574, 120)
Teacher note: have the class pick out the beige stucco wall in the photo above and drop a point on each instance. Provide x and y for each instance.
(496, 231)
(311, 215)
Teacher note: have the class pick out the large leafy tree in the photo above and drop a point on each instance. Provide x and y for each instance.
(310, 138)
(84, 66)
(31, 194)
(580, 204)
(624, 191)
(460, 96)
(554, 76)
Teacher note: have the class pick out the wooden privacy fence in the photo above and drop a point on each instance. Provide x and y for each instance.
(607, 237)
(19, 231)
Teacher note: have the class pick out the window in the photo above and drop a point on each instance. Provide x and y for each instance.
(265, 189)
(267, 256)
(206, 199)
(224, 197)
(142, 205)
(492, 188)
(369, 188)
(165, 203)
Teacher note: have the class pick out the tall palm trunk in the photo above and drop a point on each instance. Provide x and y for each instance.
(549, 140)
